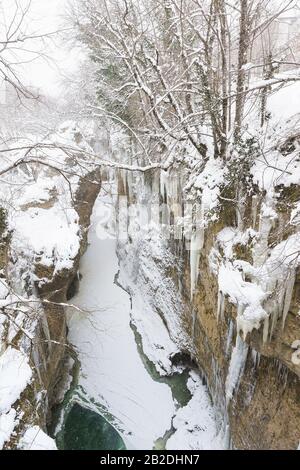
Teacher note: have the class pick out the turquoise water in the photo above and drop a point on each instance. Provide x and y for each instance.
(81, 428)
(177, 382)
(86, 430)
(75, 426)
(82, 424)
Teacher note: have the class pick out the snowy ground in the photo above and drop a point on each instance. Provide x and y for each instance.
(112, 371)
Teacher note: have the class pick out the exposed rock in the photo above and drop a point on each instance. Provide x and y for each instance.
(48, 349)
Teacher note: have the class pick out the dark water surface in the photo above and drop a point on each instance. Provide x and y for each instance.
(86, 430)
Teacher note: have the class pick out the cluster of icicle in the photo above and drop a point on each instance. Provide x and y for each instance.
(277, 277)
(274, 272)
(271, 273)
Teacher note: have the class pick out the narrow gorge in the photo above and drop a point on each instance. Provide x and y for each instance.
(150, 228)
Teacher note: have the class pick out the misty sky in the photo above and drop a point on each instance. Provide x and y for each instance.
(45, 16)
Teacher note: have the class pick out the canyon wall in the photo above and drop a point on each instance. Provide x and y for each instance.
(230, 298)
(256, 384)
(42, 241)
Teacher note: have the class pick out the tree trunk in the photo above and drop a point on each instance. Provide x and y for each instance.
(242, 60)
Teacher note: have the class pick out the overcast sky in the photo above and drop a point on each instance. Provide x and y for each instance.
(45, 16)
(48, 15)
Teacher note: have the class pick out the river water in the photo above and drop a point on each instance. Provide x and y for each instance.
(117, 400)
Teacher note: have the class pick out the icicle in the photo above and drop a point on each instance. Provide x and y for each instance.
(254, 210)
(240, 211)
(266, 329)
(275, 307)
(227, 437)
(129, 181)
(229, 337)
(194, 260)
(266, 222)
(163, 184)
(236, 367)
(274, 317)
(255, 357)
(193, 323)
(156, 187)
(172, 188)
(221, 306)
(196, 245)
(241, 325)
(288, 296)
(122, 182)
(217, 389)
(35, 356)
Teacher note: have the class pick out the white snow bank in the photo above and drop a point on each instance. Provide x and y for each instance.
(248, 296)
(15, 375)
(195, 423)
(37, 191)
(207, 184)
(275, 169)
(271, 168)
(157, 307)
(35, 439)
(284, 103)
(52, 234)
(7, 425)
(112, 372)
(295, 214)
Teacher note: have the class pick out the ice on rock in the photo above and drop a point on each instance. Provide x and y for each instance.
(288, 295)
(245, 295)
(266, 222)
(296, 344)
(214, 261)
(236, 367)
(266, 329)
(36, 439)
(221, 306)
(278, 277)
(194, 424)
(7, 425)
(15, 375)
(255, 357)
(263, 291)
(254, 210)
(196, 245)
(229, 337)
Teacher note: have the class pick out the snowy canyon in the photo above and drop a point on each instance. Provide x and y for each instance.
(173, 347)
(149, 229)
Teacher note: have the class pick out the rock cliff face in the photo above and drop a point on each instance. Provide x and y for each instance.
(42, 241)
(256, 384)
(58, 289)
(49, 350)
(228, 294)
(234, 291)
